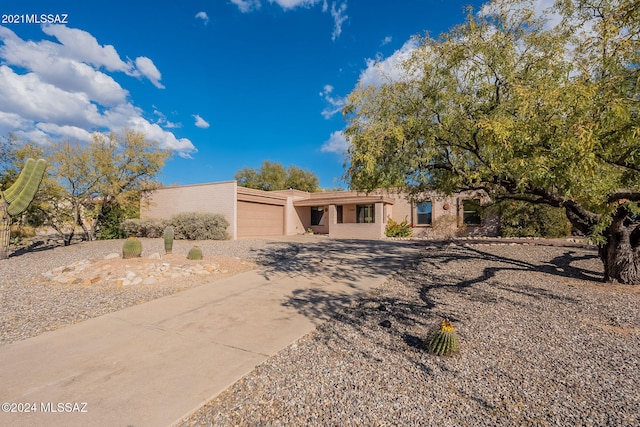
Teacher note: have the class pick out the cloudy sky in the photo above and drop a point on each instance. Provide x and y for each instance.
(224, 84)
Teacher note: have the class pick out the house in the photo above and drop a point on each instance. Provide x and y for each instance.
(340, 214)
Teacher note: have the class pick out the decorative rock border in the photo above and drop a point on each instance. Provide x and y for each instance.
(126, 272)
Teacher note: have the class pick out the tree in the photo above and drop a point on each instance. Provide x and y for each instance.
(509, 104)
(92, 185)
(273, 176)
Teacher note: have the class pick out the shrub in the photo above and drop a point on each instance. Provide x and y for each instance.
(111, 224)
(395, 229)
(143, 227)
(521, 219)
(199, 226)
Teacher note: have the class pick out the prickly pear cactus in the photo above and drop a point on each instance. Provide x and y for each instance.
(16, 199)
(443, 341)
(168, 239)
(195, 253)
(132, 248)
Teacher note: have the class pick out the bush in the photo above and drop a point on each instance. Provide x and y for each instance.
(186, 226)
(111, 224)
(143, 227)
(521, 219)
(199, 226)
(394, 229)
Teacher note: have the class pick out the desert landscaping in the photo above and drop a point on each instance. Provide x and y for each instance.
(543, 340)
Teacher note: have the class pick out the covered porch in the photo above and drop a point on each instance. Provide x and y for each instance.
(361, 217)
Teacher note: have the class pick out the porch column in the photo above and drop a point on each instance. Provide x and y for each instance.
(380, 219)
(333, 218)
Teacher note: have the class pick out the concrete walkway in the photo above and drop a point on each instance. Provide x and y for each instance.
(152, 364)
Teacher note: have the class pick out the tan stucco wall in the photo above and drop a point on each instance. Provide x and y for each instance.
(218, 197)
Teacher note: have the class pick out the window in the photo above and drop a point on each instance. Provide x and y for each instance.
(339, 214)
(423, 213)
(365, 214)
(317, 215)
(471, 212)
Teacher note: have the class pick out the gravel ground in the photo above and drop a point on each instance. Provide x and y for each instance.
(542, 342)
(30, 305)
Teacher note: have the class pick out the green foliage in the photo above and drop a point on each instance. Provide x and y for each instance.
(135, 227)
(168, 239)
(273, 176)
(111, 223)
(395, 229)
(520, 219)
(132, 248)
(443, 341)
(195, 253)
(88, 184)
(514, 106)
(199, 226)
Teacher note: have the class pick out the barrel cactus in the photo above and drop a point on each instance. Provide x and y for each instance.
(443, 341)
(16, 199)
(168, 239)
(195, 253)
(132, 248)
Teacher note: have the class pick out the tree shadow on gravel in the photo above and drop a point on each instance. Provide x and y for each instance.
(400, 316)
(342, 260)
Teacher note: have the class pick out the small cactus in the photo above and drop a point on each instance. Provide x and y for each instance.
(132, 248)
(195, 253)
(443, 341)
(168, 239)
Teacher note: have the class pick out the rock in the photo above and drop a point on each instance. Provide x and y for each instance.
(130, 275)
(112, 255)
(149, 280)
(385, 324)
(155, 255)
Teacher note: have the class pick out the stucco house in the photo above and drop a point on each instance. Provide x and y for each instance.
(340, 214)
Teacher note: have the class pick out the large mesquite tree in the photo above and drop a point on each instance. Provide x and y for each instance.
(544, 111)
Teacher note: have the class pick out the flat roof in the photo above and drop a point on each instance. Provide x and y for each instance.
(357, 200)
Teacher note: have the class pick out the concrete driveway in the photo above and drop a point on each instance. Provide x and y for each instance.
(153, 364)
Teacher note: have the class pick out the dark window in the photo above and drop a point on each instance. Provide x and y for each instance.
(471, 212)
(365, 214)
(339, 214)
(317, 215)
(424, 210)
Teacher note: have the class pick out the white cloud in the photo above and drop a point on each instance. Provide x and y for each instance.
(337, 143)
(380, 71)
(82, 46)
(48, 61)
(203, 16)
(200, 122)
(338, 19)
(246, 6)
(336, 103)
(149, 70)
(386, 41)
(292, 4)
(50, 90)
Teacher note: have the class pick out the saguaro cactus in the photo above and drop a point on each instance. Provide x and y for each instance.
(16, 199)
(168, 239)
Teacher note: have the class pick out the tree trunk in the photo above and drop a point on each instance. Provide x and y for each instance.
(621, 254)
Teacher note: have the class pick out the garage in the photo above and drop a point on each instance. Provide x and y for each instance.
(260, 219)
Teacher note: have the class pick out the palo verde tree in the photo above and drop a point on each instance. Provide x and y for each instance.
(86, 184)
(544, 111)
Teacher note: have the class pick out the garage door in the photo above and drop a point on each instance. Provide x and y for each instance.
(258, 219)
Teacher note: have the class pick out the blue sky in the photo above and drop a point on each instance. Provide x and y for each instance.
(224, 84)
